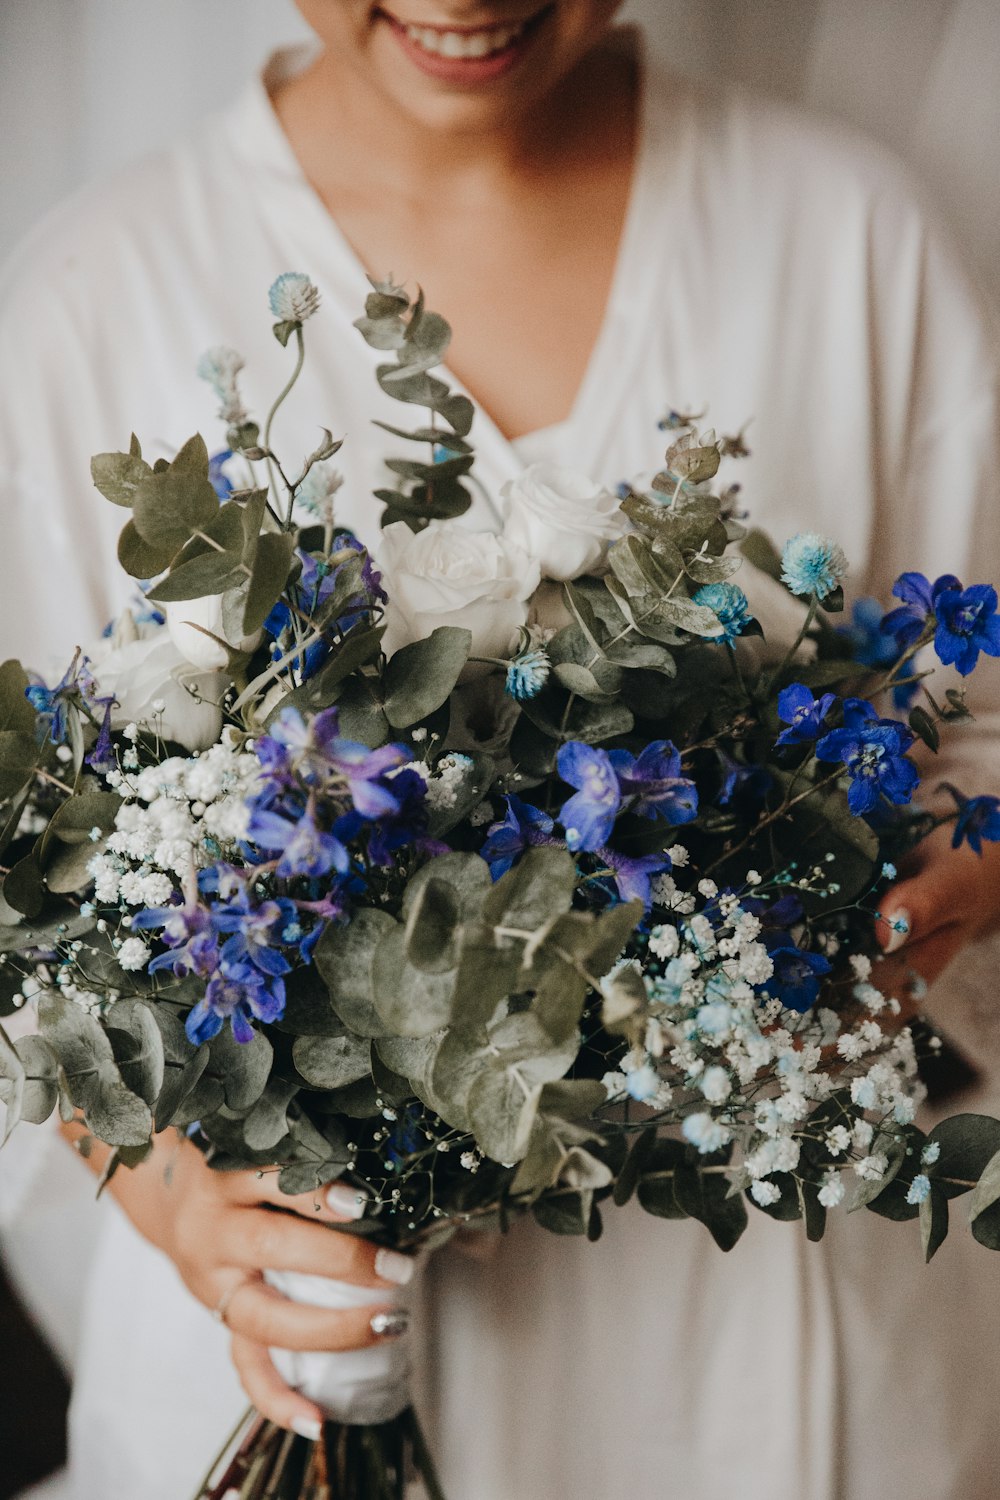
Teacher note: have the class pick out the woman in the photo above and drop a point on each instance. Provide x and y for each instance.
(603, 240)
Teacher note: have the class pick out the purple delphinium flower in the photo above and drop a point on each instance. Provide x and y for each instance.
(873, 751)
(803, 714)
(589, 816)
(189, 937)
(102, 757)
(522, 827)
(363, 770)
(632, 875)
(653, 779)
(239, 993)
(304, 847)
(978, 819)
(920, 599)
(967, 623)
(256, 930)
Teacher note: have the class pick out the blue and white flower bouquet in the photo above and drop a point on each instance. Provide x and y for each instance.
(491, 874)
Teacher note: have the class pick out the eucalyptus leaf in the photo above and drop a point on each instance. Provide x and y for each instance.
(138, 1047)
(16, 713)
(332, 1062)
(118, 475)
(345, 958)
(271, 567)
(420, 676)
(113, 1112)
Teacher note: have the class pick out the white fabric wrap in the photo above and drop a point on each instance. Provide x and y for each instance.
(358, 1386)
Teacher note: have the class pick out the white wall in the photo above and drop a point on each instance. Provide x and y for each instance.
(87, 84)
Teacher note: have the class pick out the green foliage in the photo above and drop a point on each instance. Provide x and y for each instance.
(94, 1083)
(419, 339)
(420, 677)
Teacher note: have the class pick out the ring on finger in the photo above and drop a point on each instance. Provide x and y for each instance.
(220, 1311)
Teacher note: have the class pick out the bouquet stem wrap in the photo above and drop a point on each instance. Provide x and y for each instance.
(358, 1387)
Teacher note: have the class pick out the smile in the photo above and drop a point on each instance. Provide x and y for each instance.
(463, 48)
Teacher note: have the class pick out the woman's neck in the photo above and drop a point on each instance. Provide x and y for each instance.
(336, 122)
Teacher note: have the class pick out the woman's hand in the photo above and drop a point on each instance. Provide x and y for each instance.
(944, 899)
(222, 1230)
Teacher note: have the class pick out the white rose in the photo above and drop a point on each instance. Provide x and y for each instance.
(562, 518)
(140, 666)
(185, 616)
(444, 575)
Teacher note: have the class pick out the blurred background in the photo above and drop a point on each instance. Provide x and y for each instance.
(86, 85)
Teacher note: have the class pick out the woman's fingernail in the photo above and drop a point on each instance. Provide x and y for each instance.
(391, 1265)
(899, 929)
(390, 1325)
(346, 1201)
(308, 1427)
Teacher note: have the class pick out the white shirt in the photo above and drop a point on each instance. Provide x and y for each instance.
(769, 268)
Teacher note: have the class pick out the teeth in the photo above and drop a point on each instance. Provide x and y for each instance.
(457, 44)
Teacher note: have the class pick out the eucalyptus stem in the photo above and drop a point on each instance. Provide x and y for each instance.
(279, 401)
(789, 655)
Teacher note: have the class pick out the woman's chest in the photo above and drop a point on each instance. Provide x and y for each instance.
(524, 284)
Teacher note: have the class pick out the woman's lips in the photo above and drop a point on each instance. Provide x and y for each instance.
(464, 54)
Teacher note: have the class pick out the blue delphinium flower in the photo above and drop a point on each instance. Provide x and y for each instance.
(978, 819)
(796, 977)
(873, 645)
(293, 297)
(52, 704)
(527, 674)
(523, 827)
(750, 782)
(217, 477)
(589, 816)
(729, 605)
(812, 564)
(870, 642)
(873, 751)
(919, 605)
(803, 713)
(316, 583)
(653, 783)
(967, 623)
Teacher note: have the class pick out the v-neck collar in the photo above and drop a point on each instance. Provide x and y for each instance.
(257, 135)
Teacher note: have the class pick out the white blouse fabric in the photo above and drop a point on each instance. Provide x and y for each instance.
(769, 269)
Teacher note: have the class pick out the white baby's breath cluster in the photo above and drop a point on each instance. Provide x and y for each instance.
(177, 817)
(729, 1062)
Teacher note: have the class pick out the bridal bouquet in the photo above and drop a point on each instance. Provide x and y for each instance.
(491, 873)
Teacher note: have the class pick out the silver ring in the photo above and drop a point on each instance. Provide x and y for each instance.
(221, 1308)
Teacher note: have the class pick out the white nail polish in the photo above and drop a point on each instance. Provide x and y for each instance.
(308, 1427)
(346, 1201)
(391, 1265)
(899, 925)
